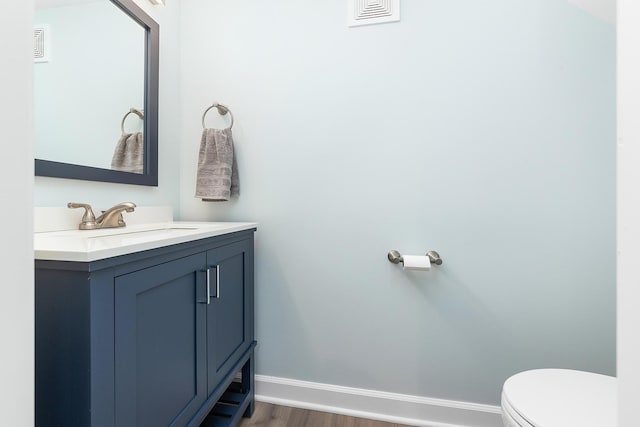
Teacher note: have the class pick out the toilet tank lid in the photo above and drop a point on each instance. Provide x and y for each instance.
(563, 397)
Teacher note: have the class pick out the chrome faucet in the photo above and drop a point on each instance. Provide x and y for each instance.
(110, 218)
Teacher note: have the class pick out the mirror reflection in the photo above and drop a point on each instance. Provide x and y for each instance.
(89, 85)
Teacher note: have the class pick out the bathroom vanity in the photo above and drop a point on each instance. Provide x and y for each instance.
(145, 326)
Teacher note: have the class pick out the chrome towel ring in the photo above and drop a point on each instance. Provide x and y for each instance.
(139, 113)
(222, 110)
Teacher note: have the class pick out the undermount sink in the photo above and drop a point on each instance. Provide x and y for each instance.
(160, 231)
(91, 245)
(109, 232)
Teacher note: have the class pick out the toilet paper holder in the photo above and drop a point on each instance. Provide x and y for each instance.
(395, 257)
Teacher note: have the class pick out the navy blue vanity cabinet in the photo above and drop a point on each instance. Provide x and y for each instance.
(160, 348)
(157, 338)
(229, 319)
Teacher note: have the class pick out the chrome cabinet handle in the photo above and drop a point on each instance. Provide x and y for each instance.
(208, 286)
(207, 299)
(217, 282)
(208, 273)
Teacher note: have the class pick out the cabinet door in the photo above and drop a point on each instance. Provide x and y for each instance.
(230, 313)
(160, 343)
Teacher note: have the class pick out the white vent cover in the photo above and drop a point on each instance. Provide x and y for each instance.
(41, 43)
(365, 12)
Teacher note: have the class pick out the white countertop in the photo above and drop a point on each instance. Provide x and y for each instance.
(92, 245)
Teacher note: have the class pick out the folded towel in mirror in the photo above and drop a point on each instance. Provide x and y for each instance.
(217, 175)
(128, 155)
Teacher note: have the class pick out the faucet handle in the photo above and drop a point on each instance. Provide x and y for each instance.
(88, 219)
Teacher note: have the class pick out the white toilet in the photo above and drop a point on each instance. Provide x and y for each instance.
(559, 398)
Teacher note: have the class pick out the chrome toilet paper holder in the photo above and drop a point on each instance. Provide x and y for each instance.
(395, 257)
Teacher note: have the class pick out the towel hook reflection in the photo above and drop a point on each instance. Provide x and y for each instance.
(139, 113)
(222, 110)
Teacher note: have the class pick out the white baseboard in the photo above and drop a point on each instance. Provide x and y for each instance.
(376, 405)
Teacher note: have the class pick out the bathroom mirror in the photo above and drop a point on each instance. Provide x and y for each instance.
(96, 91)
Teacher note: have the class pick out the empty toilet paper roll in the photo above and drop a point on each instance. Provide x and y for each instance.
(416, 262)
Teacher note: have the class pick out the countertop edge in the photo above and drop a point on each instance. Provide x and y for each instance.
(47, 254)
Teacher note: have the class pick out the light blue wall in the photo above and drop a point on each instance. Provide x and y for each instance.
(57, 192)
(484, 130)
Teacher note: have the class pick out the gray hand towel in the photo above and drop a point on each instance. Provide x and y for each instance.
(129, 153)
(217, 176)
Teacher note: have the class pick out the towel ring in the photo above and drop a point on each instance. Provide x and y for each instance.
(222, 110)
(139, 113)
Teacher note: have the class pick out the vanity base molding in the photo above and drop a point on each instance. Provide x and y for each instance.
(148, 339)
(234, 399)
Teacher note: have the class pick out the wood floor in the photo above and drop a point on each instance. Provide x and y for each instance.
(268, 415)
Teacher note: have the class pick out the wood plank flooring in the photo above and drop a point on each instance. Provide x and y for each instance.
(268, 415)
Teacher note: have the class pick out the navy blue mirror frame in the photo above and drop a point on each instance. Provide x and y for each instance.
(150, 175)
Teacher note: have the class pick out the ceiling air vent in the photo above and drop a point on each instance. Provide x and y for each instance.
(365, 12)
(41, 43)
